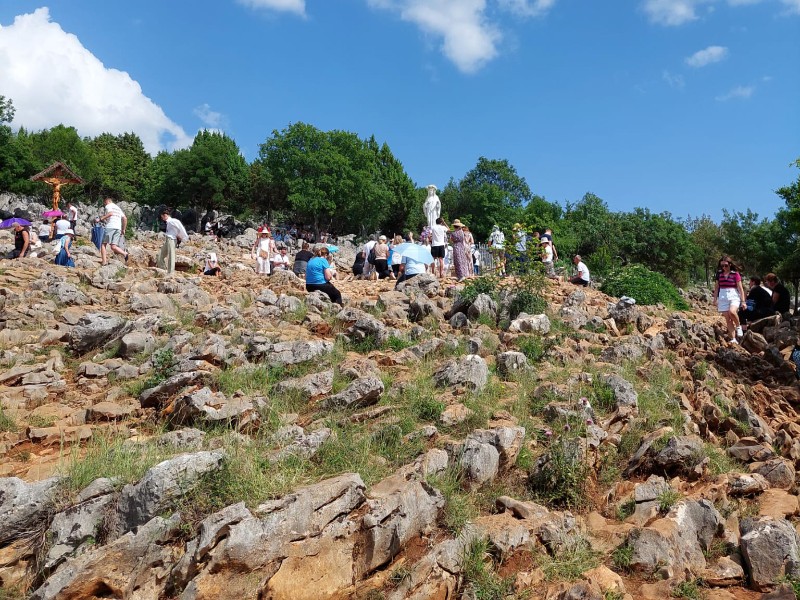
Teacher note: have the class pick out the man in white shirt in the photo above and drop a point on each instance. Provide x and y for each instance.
(368, 267)
(175, 231)
(280, 261)
(72, 215)
(61, 228)
(439, 244)
(582, 276)
(497, 242)
(115, 225)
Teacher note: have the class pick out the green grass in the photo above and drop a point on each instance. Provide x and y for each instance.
(720, 462)
(667, 499)
(561, 482)
(41, 421)
(622, 557)
(690, 590)
(573, 559)
(460, 507)
(479, 571)
(7, 423)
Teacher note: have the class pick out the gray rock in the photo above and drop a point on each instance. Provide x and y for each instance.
(511, 362)
(68, 294)
(75, 528)
(748, 449)
(621, 352)
(320, 302)
(304, 445)
(506, 440)
(310, 386)
(624, 394)
(287, 353)
(268, 297)
(623, 313)
(136, 342)
(780, 473)
(186, 438)
(161, 484)
(136, 561)
(364, 391)
(746, 485)
(95, 330)
(203, 405)
(281, 524)
(575, 299)
(421, 307)
(459, 321)
(573, 317)
(770, 549)
(470, 372)
(482, 306)
(23, 505)
(682, 454)
(525, 323)
(155, 396)
(426, 283)
(398, 511)
(479, 461)
(289, 303)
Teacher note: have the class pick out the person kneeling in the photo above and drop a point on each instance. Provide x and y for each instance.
(319, 274)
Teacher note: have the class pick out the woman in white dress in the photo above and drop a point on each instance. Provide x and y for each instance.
(262, 250)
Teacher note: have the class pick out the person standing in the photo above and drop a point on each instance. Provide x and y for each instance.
(396, 257)
(262, 249)
(461, 254)
(497, 243)
(382, 258)
(175, 232)
(62, 225)
(729, 296)
(369, 267)
(115, 224)
(319, 275)
(547, 259)
(438, 244)
(582, 275)
(72, 215)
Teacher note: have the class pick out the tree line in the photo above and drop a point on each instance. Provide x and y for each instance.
(339, 182)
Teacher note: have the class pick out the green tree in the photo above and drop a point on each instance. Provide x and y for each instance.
(122, 164)
(212, 173)
(491, 193)
(16, 162)
(658, 242)
(62, 143)
(788, 224)
(705, 234)
(756, 245)
(588, 228)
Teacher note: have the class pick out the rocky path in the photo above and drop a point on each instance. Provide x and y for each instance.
(193, 437)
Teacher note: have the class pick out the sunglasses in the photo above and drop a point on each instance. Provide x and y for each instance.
(725, 264)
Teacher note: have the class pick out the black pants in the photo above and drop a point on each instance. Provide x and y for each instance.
(578, 281)
(334, 294)
(396, 270)
(382, 268)
(748, 316)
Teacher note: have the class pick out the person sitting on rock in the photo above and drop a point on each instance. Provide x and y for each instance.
(301, 260)
(319, 275)
(759, 303)
(22, 242)
(781, 301)
(212, 267)
(280, 261)
(581, 276)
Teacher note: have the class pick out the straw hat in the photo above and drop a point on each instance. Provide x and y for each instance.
(457, 223)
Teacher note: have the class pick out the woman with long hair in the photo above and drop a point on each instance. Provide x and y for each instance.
(729, 296)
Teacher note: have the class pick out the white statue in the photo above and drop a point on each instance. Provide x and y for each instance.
(432, 207)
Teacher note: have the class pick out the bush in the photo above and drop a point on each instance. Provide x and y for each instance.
(486, 284)
(644, 285)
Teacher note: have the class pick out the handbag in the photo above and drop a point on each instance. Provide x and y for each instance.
(263, 254)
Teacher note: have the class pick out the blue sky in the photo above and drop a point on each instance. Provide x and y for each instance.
(687, 106)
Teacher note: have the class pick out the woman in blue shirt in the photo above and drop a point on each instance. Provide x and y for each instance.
(319, 275)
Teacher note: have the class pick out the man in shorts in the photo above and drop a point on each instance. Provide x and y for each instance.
(439, 245)
(115, 224)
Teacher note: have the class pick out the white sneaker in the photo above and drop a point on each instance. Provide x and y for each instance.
(739, 332)
(734, 341)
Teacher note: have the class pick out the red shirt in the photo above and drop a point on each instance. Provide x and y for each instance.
(728, 281)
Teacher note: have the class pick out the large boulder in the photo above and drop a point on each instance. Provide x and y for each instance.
(75, 529)
(624, 394)
(168, 480)
(95, 330)
(24, 505)
(364, 391)
(426, 283)
(287, 353)
(470, 372)
(482, 306)
(525, 323)
(771, 549)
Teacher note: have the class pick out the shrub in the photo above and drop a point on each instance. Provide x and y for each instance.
(559, 478)
(646, 286)
(485, 284)
(526, 301)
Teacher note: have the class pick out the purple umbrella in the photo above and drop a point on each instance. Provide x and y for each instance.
(8, 223)
(52, 213)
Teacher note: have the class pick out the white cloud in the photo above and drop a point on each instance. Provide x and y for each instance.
(792, 6)
(527, 8)
(293, 6)
(675, 81)
(209, 117)
(739, 92)
(671, 12)
(707, 56)
(53, 79)
(469, 40)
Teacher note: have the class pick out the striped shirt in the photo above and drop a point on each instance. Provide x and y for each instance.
(728, 281)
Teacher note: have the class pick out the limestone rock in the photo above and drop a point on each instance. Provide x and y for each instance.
(770, 549)
(511, 362)
(624, 393)
(482, 306)
(75, 528)
(525, 323)
(95, 330)
(364, 391)
(23, 505)
(469, 372)
(311, 386)
(287, 353)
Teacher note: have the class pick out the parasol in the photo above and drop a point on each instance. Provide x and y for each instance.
(415, 252)
(52, 213)
(8, 223)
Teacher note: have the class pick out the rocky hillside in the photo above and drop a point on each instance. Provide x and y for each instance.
(200, 438)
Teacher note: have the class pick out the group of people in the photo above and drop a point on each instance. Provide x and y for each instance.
(764, 297)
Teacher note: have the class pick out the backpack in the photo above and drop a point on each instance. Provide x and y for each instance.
(371, 257)
(795, 358)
